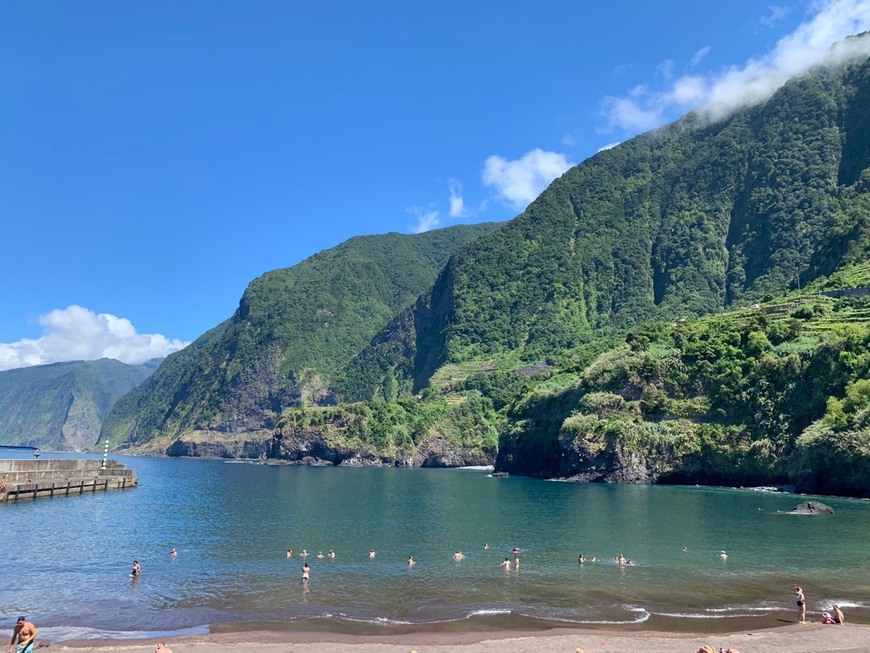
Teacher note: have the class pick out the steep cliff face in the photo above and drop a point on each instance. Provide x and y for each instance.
(688, 220)
(316, 447)
(293, 331)
(205, 446)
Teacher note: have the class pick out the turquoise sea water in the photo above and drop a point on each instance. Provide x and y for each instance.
(66, 561)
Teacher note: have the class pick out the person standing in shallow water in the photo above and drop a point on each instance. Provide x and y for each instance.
(801, 604)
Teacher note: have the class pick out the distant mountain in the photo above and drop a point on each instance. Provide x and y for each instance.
(61, 406)
(293, 330)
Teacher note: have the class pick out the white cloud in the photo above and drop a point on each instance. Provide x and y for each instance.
(666, 69)
(699, 56)
(458, 209)
(427, 219)
(775, 14)
(76, 333)
(718, 94)
(521, 181)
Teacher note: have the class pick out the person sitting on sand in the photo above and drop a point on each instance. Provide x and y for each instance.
(163, 648)
(827, 618)
(839, 618)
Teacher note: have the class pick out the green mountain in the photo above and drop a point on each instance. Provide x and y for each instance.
(689, 306)
(293, 330)
(690, 219)
(62, 406)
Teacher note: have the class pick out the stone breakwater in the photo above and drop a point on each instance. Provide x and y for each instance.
(32, 479)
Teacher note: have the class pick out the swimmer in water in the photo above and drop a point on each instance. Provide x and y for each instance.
(371, 553)
(410, 561)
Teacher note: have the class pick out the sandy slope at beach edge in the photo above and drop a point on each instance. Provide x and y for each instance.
(809, 638)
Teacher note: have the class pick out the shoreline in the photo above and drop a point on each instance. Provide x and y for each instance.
(795, 638)
(475, 626)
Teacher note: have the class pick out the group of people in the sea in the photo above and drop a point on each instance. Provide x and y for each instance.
(833, 615)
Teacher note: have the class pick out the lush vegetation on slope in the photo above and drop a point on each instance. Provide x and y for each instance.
(772, 394)
(684, 221)
(293, 329)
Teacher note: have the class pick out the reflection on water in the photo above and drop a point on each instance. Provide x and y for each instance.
(232, 524)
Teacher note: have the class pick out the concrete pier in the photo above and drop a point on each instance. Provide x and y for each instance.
(32, 479)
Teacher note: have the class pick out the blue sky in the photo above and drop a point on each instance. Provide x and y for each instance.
(158, 156)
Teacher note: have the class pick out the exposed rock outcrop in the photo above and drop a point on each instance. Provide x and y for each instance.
(202, 446)
(312, 447)
(813, 508)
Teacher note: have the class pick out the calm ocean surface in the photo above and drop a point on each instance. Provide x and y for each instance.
(66, 561)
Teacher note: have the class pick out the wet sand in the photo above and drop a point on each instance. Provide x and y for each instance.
(795, 638)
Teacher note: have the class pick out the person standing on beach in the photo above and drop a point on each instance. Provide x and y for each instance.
(801, 605)
(22, 636)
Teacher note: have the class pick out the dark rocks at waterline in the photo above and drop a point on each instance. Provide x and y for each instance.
(812, 508)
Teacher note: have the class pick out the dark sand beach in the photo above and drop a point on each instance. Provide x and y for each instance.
(808, 638)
